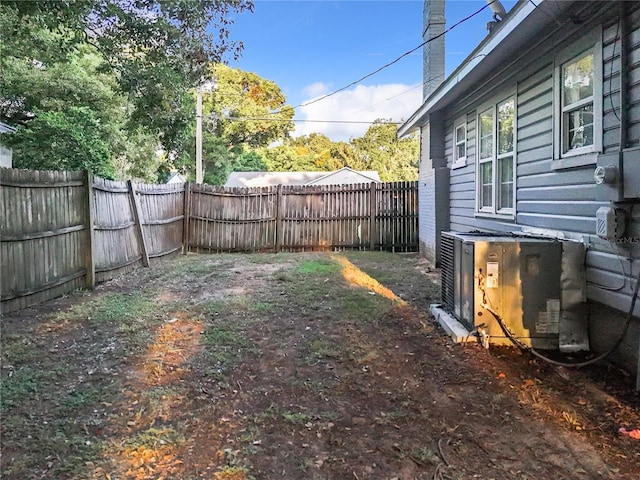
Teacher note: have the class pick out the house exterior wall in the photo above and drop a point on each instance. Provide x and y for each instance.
(433, 188)
(559, 197)
(426, 207)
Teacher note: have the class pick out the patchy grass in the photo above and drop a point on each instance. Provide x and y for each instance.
(315, 365)
(227, 343)
(121, 309)
(322, 348)
(316, 267)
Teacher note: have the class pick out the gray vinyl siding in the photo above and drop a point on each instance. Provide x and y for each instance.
(551, 198)
(612, 268)
(535, 174)
(611, 49)
(462, 181)
(633, 85)
(462, 193)
(535, 120)
(610, 272)
(546, 197)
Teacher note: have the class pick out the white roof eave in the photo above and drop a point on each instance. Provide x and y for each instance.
(488, 46)
(4, 128)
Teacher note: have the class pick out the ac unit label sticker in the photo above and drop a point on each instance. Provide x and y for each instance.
(493, 275)
(548, 321)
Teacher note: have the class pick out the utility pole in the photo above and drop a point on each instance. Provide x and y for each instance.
(209, 86)
(199, 173)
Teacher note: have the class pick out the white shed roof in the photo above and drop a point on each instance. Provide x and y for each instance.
(265, 179)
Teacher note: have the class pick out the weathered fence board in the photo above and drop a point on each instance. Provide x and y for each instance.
(117, 248)
(65, 230)
(298, 218)
(232, 220)
(325, 217)
(162, 213)
(42, 237)
(397, 216)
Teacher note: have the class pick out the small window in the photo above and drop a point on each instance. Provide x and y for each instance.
(578, 100)
(496, 158)
(577, 103)
(460, 147)
(485, 158)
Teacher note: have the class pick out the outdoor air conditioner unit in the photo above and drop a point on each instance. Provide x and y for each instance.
(534, 286)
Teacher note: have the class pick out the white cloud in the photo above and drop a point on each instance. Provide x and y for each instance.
(316, 89)
(359, 104)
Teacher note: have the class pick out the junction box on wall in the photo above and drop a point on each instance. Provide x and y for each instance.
(616, 175)
(610, 223)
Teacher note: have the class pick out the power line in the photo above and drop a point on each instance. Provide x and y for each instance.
(458, 23)
(304, 120)
(393, 61)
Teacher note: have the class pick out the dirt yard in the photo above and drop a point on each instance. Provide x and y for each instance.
(292, 366)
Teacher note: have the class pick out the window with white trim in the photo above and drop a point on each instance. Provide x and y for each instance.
(496, 158)
(460, 146)
(577, 103)
(578, 99)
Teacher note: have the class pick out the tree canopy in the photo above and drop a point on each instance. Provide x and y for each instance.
(143, 56)
(380, 149)
(395, 159)
(109, 85)
(242, 111)
(245, 109)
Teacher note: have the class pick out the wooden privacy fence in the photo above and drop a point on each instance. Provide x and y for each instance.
(133, 224)
(64, 230)
(294, 218)
(43, 236)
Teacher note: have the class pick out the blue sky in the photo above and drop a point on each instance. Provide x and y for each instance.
(313, 47)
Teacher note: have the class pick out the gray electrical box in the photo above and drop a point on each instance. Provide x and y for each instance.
(631, 173)
(518, 278)
(618, 176)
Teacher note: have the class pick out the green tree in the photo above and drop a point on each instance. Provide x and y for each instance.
(61, 89)
(314, 152)
(220, 162)
(136, 155)
(154, 51)
(317, 150)
(73, 142)
(380, 149)
(284, 158)
(242, 114)
(246, 109)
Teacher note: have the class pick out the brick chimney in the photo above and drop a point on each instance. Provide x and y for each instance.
(433, 174)
(433, 51)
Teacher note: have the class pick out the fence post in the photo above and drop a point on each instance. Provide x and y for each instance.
(187, 213)
(372, 216)
(137, 218)
(90, 264)
(279, 219)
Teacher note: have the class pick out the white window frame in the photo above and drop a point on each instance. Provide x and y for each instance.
(591, 44)
(494, 159)
(459, 161)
